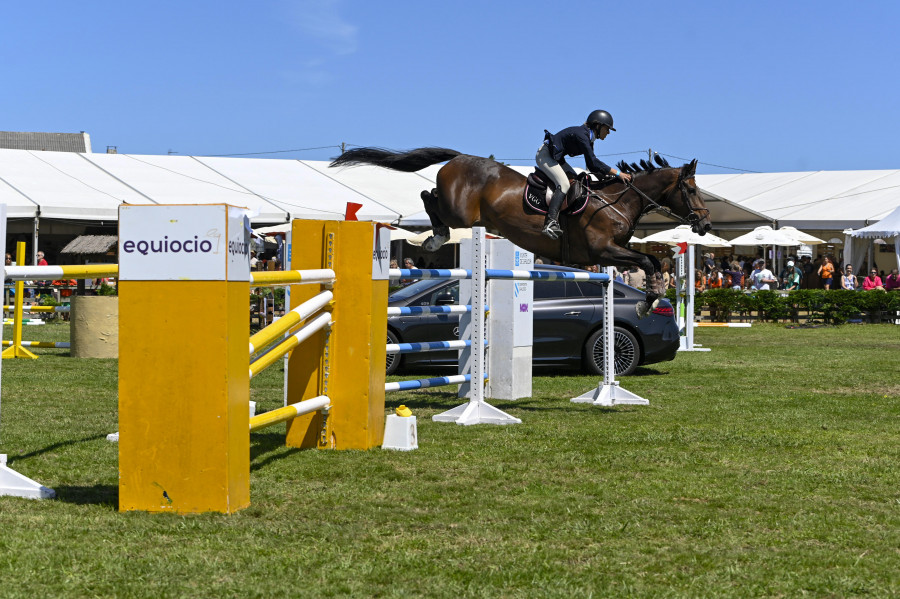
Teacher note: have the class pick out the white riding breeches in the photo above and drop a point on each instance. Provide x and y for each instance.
(551, 168)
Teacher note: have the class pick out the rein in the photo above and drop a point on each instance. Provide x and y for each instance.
(655, 206)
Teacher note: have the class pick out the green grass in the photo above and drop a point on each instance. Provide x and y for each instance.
(768, 467)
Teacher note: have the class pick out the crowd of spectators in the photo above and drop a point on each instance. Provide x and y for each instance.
(747, 273)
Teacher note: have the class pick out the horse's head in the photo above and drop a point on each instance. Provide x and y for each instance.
(685, 201)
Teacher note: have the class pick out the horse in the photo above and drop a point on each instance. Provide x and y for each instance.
(474, 191)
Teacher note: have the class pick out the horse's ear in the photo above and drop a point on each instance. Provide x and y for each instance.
(689, 170)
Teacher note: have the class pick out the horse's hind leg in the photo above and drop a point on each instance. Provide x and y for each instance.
(441, 231)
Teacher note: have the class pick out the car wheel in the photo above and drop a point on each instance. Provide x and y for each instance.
(626, 349)
(392, 361)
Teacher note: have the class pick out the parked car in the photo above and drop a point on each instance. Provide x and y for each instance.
(566, 328)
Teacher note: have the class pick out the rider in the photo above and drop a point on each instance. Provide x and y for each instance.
(573, 141)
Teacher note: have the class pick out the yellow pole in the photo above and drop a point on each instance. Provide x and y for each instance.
(76, 271)
(291, 277)
(17, 350)
(289, 320)
(288, 412)
(278, 352)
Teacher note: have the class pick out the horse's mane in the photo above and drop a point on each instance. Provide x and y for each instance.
(645, 166)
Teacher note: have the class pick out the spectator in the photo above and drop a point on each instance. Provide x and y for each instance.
(736, 273)
(762, 278)
(873, 281)
(806, 268)
(666, 275)
(714, 279)
(790, 278)
(635, 277)
(9, 259)
(40, 259)
(849, 280)
(826, 272)
(892, 281)
(254, 261)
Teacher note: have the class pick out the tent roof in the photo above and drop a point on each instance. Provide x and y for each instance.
(831, 200)
(72, 186)
(889, 226)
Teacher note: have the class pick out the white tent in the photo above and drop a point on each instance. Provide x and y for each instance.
(886, 228)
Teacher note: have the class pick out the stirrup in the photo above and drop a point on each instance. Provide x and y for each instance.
(552, 229)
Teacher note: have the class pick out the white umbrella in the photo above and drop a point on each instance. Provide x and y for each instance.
(803, 238)
(398, 234)
(765, 235)
(684, 234)
(455, 236)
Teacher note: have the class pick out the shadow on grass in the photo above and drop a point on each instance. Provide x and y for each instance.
(54, 447)
(102, 495)
(270, 445)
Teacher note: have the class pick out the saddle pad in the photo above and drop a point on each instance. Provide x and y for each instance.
(536, 199)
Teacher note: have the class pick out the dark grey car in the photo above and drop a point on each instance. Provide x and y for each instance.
(566, 328)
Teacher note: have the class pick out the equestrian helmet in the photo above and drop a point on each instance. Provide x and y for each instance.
(600, 117)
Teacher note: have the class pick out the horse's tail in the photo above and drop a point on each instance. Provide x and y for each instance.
(408, 162)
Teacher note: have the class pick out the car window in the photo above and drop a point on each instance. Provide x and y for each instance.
(412, 290)
(591, 289)
(550, 290)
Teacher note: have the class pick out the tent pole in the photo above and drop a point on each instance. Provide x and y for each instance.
(35, 237)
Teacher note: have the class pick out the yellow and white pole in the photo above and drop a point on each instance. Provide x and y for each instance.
(184, 444)
(17, 349)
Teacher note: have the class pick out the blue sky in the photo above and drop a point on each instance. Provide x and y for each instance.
(758, 86)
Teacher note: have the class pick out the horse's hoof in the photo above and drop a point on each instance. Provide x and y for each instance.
(430, 244)
(655, 304)
(642, 309)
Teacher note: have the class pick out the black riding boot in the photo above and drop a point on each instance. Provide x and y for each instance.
(551, 223)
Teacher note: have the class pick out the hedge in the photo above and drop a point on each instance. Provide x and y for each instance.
(835, 306)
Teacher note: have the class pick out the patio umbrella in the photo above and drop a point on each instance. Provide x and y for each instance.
(684, 234)
(766, 235)
(455, 236)
(803, 238)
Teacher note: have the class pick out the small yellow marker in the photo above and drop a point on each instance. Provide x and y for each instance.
(404, 412)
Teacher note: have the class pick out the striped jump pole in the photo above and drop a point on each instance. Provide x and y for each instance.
(51, 344)
(22, 273)
(40, 308)
(315, 325)
(292, 277)
(277, 329)
(301, 408)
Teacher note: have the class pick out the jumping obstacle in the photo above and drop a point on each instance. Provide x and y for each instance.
(184, 442)
(473, 368)
(684, 300)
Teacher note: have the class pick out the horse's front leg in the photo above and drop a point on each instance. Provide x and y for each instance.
(619, 256)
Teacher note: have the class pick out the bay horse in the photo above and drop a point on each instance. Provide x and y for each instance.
(473, 191)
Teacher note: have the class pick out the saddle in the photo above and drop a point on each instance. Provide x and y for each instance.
(539, 189)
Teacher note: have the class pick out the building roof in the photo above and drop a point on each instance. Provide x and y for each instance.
(91, 244)
(49, 142)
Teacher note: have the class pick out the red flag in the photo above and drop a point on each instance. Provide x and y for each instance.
(680, 248)
(352, 209)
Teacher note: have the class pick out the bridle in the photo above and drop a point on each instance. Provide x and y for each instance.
(652, 206)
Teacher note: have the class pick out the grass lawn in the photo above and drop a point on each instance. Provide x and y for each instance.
(768, 467)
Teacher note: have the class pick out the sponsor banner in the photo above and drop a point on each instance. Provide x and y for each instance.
(381, 253)
(183, 243)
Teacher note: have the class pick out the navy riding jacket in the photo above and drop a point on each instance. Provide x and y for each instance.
(575, 141)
